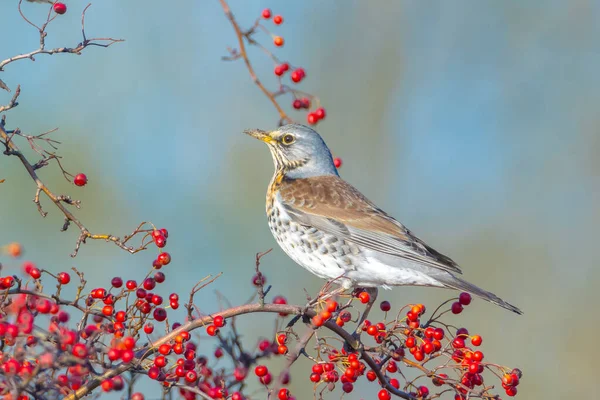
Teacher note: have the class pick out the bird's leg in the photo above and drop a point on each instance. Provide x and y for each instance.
(323, 296)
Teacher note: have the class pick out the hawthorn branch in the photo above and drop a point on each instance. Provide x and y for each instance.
(241, 36)
(11, 149)
(150, 349)
(101, 42)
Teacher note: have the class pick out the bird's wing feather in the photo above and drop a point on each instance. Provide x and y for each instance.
(330, 204)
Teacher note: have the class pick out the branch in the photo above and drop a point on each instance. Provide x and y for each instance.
(147, 351)
(101, 42)
(58, 200)
(243, 54)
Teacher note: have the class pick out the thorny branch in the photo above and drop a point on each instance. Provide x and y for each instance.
(11, 149)
(100, 42)
(241, 36)
(150, 349)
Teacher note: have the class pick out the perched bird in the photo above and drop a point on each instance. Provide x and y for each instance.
(332, 230)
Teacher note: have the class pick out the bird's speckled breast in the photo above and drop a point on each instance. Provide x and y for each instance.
(324, 255)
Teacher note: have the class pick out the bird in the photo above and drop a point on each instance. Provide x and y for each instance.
(331, 229)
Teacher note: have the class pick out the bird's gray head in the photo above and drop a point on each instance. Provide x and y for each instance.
(297, 150)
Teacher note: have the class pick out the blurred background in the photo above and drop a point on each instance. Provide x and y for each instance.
(473, 123)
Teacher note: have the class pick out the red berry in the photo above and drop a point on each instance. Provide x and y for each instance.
(385, 305)
(164, 349)
(63, 278)
(476, 340)
(284, 394)
(266, 14)
(347, 387)
(464, 299)
(191, 376)
(297, 75)
(428, 348)
(60, 8)
(107, 385)
(371, 375)
(80, 179)
(419, 355)
(364, 297)
(438, 333)
(79, 350)
(159, 277)
(318, 320)
(458, 342)
(511, 391)
(160, 314)
(337, 162)
(314, 377)
(261, 370)
(384, 395)
(149, 328)
(149, 283)
(160, 242)
(212, 330)
(131, 284)
(297, 104)
(219, 321)
(345, 316)
(164, 258)
(456, 308)
(116, 282)
(320, 113)
(35, 273)
(277, 20)
(311, 118)
(278, 41)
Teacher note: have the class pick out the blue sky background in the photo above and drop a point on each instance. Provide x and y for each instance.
(474, 123)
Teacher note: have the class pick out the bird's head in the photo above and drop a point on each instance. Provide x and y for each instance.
(297, 150)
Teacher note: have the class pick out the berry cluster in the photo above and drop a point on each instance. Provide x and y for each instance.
(281, 69)
(297, 75)
(53, 347)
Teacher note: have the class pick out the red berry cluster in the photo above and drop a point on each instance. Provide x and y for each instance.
(121, 313)
(297, 75)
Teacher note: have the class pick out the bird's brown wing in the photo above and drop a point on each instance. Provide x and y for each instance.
(330, 204)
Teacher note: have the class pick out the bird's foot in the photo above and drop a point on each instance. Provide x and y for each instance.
(322, 296)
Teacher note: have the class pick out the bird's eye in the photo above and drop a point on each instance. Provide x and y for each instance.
(288, 139)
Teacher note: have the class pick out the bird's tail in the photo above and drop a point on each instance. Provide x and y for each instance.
(458, 284)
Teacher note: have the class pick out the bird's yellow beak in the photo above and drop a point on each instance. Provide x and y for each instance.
(260, 135)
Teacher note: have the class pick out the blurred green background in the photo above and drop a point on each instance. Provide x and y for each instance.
(474, 123)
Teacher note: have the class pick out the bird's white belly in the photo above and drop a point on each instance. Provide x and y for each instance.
(330, 257)
(322, 254)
